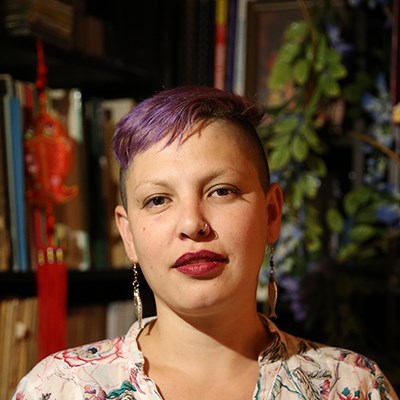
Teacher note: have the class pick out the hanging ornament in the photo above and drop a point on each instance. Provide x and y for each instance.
(48, 159)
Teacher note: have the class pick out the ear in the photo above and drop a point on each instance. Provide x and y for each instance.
(274, 204)
(122, 221)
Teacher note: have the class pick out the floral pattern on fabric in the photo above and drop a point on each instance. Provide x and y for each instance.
(290, 368)
(105, 350)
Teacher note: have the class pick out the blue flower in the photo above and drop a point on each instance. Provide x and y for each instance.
(389, 214)
(336, 41)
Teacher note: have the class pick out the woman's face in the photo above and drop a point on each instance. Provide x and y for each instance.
(210, 177)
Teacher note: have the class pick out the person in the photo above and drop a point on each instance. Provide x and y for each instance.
(197, 214)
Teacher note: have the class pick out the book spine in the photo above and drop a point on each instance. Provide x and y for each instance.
(16, 180)
(231, 44)
(5, 234)
(221, 21)
(239, 81)
(72, 232)
(19, 179)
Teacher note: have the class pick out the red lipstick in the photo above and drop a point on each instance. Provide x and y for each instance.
(199, 263)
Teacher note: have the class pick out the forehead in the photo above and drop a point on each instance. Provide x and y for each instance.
(217, 140)
(212, 133)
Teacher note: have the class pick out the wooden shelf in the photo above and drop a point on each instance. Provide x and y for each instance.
(95, 76)
(84, 287)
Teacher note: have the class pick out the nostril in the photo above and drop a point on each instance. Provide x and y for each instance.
(204, 229)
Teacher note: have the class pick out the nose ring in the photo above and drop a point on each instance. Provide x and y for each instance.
(204, 229)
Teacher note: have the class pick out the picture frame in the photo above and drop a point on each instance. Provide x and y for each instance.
(266, 24)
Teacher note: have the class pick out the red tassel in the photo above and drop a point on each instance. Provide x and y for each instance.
(48, 159)
(52, 298)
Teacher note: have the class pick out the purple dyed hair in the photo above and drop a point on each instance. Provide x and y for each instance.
(172, 113)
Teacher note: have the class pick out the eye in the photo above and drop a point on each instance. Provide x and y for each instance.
(223, 191)
(156, 201)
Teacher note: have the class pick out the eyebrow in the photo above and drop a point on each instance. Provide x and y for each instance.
(211, 175)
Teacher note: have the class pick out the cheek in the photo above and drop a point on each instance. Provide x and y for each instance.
(150, 238)
(249, 233)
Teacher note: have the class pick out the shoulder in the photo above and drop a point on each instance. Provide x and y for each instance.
(328, 356)
(350, 372)
(324, 369)
(88, 371)
(67, 370)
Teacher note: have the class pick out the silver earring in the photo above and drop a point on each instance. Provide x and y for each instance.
(272, 286)
(137, 301)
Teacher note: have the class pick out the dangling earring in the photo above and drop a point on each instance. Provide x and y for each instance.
(137, 301)
(272, 286)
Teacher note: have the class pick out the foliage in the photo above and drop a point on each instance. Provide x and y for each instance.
(334, 243)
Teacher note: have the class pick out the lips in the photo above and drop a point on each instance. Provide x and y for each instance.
(199, 263)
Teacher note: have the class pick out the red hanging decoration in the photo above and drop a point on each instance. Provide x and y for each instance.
(48, 158)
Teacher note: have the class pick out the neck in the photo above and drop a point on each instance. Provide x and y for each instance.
(200, 340)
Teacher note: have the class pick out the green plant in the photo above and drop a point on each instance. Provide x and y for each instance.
(333, 255)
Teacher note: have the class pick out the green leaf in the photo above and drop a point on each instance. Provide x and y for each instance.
(299, 148)
(297, 196)
(312, 226)
(332, 56)
(313, 244)
(315, 98)
(286, 125)
(296, 31)
(301, 71)
(310, 135)
(288, 52)
(322, 51)
(362, 232)
(338, 71)
(311, 185)
(280, 139)
(330, 88)
(355, 199)
(280, 75)
(347, 251)
(279, 158)
(334, 220)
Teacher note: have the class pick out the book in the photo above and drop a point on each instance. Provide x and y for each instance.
(5, 234)
(101, 116)
(221, 28)
(72, 222)
(86, 324)
(120, 316)
(113, 110)
(51, 20)
(27, 96)
(15, 173)
(239, 80)
(96, 160)
(231, 44)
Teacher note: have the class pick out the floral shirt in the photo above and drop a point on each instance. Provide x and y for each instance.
(290, 368)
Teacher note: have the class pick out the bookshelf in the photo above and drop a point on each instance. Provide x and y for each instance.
(95, 76)
(84, 287)
(132, 64)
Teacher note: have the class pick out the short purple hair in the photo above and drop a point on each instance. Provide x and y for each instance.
(172, 113)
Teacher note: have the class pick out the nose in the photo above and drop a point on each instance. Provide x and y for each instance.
(192, 222)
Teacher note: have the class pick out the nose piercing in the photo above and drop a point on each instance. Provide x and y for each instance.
(205, 227)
